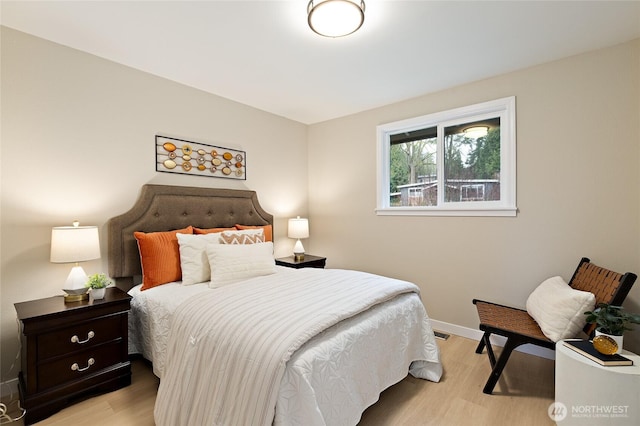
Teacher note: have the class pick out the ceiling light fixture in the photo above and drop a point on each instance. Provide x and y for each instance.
(335, 18)
(476, 132)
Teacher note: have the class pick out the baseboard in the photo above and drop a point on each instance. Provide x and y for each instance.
(474, 334)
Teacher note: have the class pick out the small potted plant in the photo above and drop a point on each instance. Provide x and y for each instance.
(612, 321)
(97, 284)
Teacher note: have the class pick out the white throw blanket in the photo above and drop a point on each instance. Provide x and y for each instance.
(228, 348)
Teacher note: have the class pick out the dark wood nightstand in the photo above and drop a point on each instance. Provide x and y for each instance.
(71, 350)
(310, 261)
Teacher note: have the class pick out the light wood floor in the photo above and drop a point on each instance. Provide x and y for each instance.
(522, 396)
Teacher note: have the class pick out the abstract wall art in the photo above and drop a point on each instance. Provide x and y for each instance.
(193, 158)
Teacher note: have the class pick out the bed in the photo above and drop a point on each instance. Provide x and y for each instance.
(283, 346)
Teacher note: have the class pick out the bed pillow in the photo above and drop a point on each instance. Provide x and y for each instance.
(211, 230)
(268, 230)
(239, 237)
(231, 263)
(193, 256)
(160, 256)
(559, 309)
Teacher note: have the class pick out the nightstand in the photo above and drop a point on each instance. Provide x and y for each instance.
(71, 350)
(309, 261)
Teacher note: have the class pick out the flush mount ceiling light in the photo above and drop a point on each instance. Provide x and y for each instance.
(335, 18)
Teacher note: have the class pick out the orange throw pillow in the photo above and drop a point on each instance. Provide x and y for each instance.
(268, 230)
(160, 256)
(211, 230)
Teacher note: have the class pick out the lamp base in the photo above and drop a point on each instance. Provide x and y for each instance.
(77, 278)
(75, 294)
(298, 251)
(70, 298)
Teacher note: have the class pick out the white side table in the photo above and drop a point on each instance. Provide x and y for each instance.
(596, 395)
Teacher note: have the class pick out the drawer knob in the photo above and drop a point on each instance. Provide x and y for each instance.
(76, 367)
(76, 339)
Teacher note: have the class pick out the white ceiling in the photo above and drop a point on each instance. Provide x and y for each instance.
(261, 53)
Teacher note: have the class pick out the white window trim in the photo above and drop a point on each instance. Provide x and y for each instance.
(505, 108)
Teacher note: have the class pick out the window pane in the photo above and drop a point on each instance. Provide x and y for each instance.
(472, 161)
(413, 179)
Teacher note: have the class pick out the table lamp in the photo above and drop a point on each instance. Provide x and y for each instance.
(74, 244)
(298, 228)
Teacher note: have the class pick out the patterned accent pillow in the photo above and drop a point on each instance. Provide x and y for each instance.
(237, 238)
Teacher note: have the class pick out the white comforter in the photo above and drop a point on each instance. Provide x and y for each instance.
(329, 380)
(150, 319)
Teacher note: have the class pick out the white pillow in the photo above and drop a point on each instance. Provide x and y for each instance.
(193, 257)
(559, 309)
(231, 263)
(193, 254)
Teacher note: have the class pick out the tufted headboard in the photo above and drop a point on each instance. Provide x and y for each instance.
(164, 208)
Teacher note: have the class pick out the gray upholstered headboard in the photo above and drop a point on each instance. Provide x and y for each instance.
(164, 208)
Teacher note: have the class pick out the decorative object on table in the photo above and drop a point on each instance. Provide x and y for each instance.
(298, 228)
(606, 344)
(611, 321)
(192, 158)
(74, 244)
(97, 285)
(586, 348)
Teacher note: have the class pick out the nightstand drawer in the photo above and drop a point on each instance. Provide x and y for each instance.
(80, 336)
(79, 365)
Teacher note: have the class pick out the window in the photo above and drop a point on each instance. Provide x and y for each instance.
(455, 163)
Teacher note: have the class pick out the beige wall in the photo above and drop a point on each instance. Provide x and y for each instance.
(78, 143)
(578, 190)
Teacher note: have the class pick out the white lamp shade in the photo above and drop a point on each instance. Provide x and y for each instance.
(298, 228)
(74, 244)
(335, 18)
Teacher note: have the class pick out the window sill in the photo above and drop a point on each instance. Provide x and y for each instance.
(435, 211)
